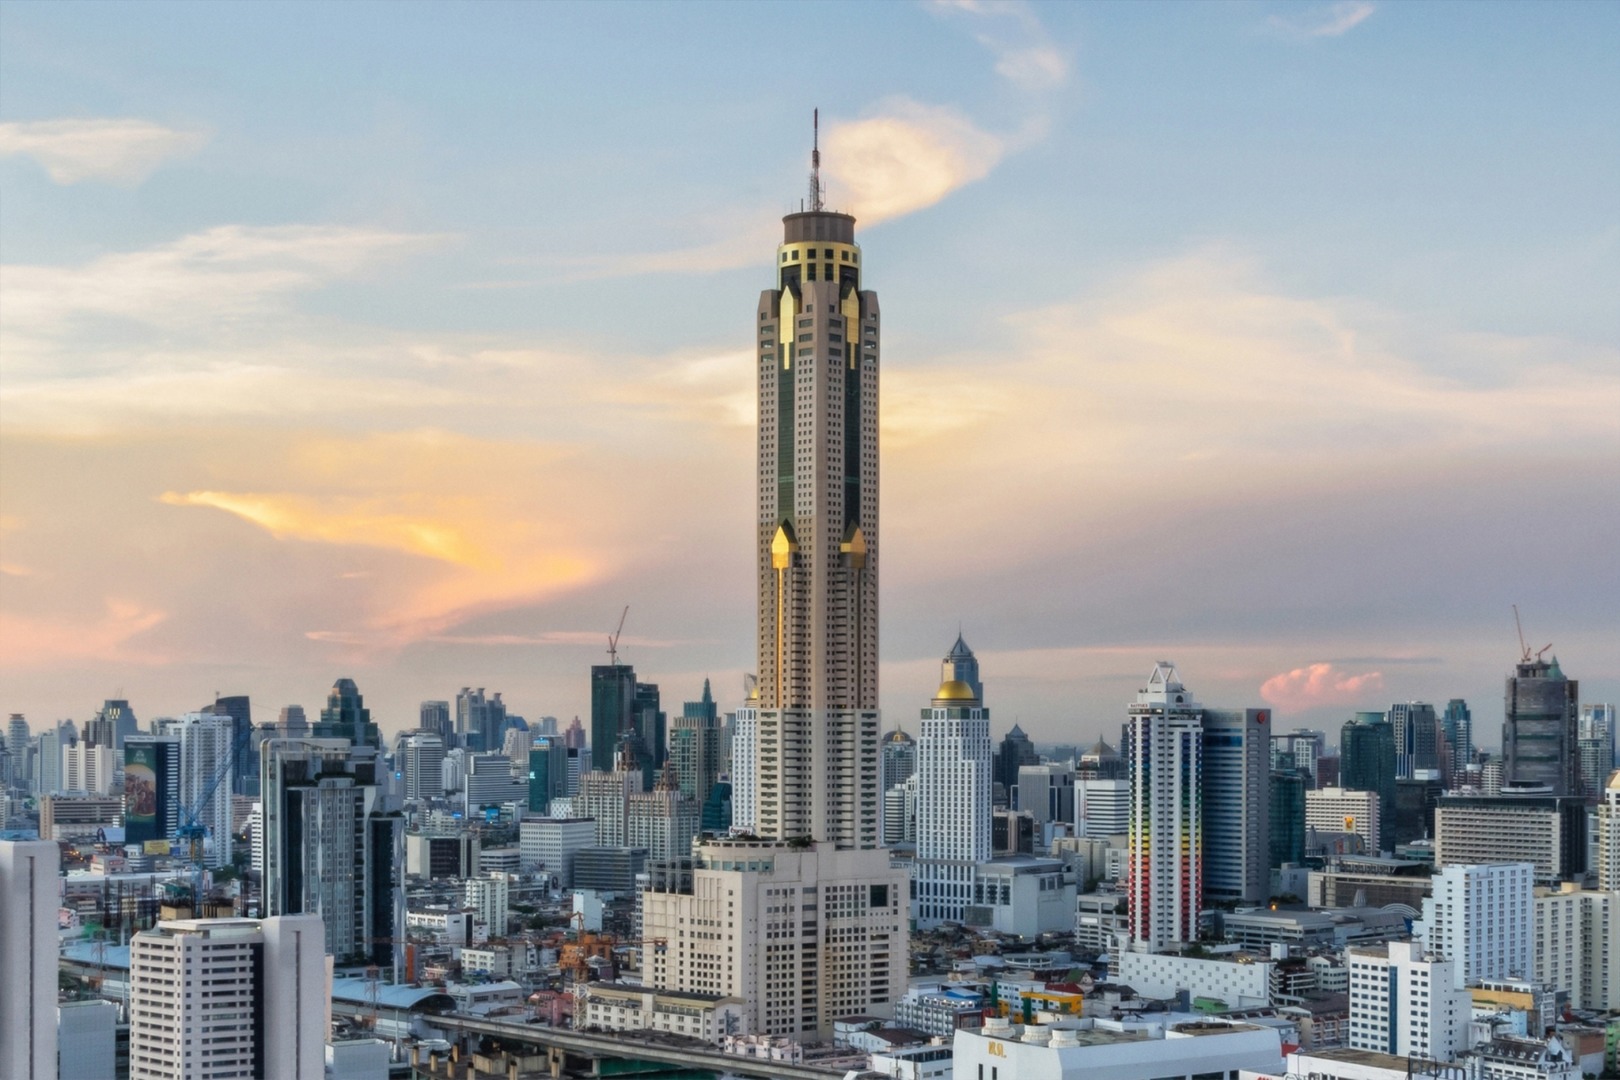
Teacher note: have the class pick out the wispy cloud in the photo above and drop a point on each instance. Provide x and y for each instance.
(1025, 54)
(118, 151)
(905, 157)
(1318, 684)
(1330, 20)
(55, 639)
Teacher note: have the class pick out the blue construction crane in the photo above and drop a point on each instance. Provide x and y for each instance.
(192, 832)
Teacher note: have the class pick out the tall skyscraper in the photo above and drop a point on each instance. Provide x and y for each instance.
(1367, 757)
(206, 779)
(1166, 854)
(613, 705)
(548, 773)
(1608, 854)
(821, 914)
(897, 763)
(228, 997)
(123, 720)
(953, 793)
(1417, 738)
(435, 716)
(346, 717)
(817, 538)
(291, 723)
(17, 734)
(421, 765)
(151, 787)
(1014, 752)
(745, 764)
(30, 897)
(694, 747)
(480, 719)
(1457, 727)
(331, 848)
(1287, 824)
(652, 724)
(1237, 804)
(245, 762)
(1540, 727)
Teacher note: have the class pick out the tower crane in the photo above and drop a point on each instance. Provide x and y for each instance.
(192, 832)
(613, 638)
(1524, 650)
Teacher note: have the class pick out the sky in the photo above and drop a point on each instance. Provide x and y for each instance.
(412, 343)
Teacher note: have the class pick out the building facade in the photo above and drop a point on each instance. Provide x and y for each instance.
(1237, 805)
(30, 899)
(1165, 750)
(1482, 919)
(953, 793)
(1540, 728)
(1333, 810)
(1405, 1002)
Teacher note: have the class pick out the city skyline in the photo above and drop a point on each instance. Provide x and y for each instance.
(1169, 375)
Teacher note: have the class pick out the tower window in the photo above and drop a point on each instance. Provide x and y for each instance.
(795, 256)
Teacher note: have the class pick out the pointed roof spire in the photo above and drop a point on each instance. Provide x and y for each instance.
(815, 161)
(708, 698)
(960, 650)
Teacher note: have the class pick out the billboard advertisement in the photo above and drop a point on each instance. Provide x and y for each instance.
(146, 780)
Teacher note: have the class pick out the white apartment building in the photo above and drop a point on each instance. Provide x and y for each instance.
(1242, 980)
(953, 796)
(1102, 807)
(91, 769)
(549, 844)
(422, 765)
(626, 1007)
(1335, 809)
(1577, 944)
(1608, 862)
(1405, 1001)
(664, 821)
(489, 896)
(30, 896)
(802, 932)
(214, 998)
(605, 797)
(1482, 919)
(744, 767)
(1166, 867)
(1098, 1049)
(86, 1039)
(205, 756)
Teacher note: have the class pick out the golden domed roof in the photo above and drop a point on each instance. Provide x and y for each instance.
(955, 690)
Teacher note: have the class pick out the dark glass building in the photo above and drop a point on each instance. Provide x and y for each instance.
(613, 702)
(1540, 730)
(1287, 817)
(346, 717)
(1367, 759)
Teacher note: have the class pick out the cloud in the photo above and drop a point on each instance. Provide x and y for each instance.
(1318, 684)
(1025, 55)
(1331, 20)
(593, 638)
(119, 151)
(903, 158)
(55, 640)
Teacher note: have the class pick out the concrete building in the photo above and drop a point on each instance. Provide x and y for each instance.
(1023, 896)
(1482, 918)
(1241, 980)
(1165, 749)
(803, 933)
(1102, 807)
(605, 798)
(1237, 805)
(206, 778)
(1546, 831)
(1331, 810)
(493, 780)
(897, 765)
(331, 846)
(92, 769)
(422, 763)
(1457, 733)
(608, 869)
(75, 817)
(489, 896)
(663, 822)
(437, 856)
(86, 1040)
(1046, 793)
(745, 766)
(151, 788)
(1577, 944)
(1540, 728)
(627, 1007)
(549, 845)
(695, 749)
(194, 981)
(480, 719)
(953, 796)
(1163, 1048)
(30, 896)
(1608, 825)
(1404, 1001)
(817, 539)
(1371, 880)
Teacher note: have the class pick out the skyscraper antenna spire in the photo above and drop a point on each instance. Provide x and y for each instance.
(815, 161)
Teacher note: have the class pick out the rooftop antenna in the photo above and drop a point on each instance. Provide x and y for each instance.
(815, 162)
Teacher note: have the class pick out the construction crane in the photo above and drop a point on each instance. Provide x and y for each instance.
(192, 832)
(613, 639)
(1524, 650)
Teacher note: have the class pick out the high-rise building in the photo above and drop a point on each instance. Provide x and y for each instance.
(549, 845)
(694, 747)
(151, 788)
(897, 763)
(489, 896)
(652, 724)
(1046, 793)
(1577, 944)
(90, 768)
(1014, 752)
(1367, 759)
(1457, 728)
(18, 735)
(663, 821)
(123, 720)
(576, 736)
(605, 796)
(480, 719)
(435, 716)
(1417, 737)
(1237, 805)
(51, 743)
(1608, 825)
(99, 730)
(421, 765)
(346, 717)
(493, 780)
(548, 773)
(1540, 727)
(1482, 919)
(206, 778)
(1102, 807)
(953, 793)
(1337, 810)
(245, 762)
(1405, 1002)
(613, 704)
(817, 539)
(291, 723)
(195, 985)
(1101, 762)
(1287, 824)
(331, 847)
(1545, 830)
(1166, 854)
(30, 897)
(745, 765)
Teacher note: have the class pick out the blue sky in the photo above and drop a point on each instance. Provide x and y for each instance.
(408, 342)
